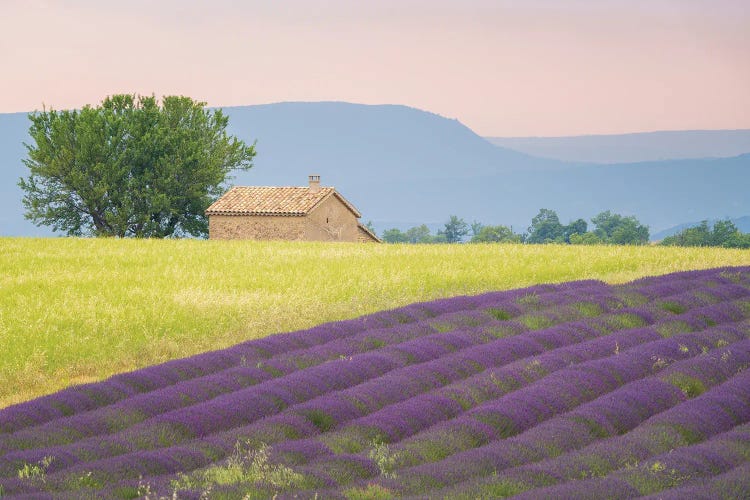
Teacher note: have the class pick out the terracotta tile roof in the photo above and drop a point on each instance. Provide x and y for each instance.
(257, 200)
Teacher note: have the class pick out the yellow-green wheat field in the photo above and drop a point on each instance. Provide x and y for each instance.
(79, 310)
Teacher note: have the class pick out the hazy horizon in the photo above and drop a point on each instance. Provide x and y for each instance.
(504, 68)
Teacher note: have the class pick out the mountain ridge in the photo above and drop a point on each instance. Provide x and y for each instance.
(633, 147)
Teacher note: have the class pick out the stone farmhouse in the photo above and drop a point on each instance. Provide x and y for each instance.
(310, 213)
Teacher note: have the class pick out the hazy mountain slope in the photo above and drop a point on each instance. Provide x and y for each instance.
(657, 193)
(401, 166)
(296, 139)
(624, 148)
(13, 133)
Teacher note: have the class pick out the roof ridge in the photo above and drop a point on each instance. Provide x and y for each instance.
(278, 187)
(273, 200)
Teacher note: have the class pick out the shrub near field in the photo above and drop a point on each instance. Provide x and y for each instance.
(579, 389)
(79, 310)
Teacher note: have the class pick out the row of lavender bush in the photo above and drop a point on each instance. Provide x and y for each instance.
(546, 390)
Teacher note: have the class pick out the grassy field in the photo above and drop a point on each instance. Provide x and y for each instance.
(79, 310)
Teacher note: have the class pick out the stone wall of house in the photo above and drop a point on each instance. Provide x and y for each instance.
(363, 236)
(331, 220)
(255, 227)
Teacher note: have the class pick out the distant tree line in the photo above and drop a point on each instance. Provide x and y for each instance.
(546, 227)
(609, 228)
(723, 234)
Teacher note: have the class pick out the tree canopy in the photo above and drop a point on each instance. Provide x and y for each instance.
(455, 229)
(129, 167)
(723, 234)
(495, 234)
(545, 227)
(394, 235)
(610, 229)
(614, 228)
(416, 234)
(419, 234)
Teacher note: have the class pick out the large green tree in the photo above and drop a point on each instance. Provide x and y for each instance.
(419, 234)
(619, 230)
(129, 167)
(455, 229)
(545, 227)
(495, 234)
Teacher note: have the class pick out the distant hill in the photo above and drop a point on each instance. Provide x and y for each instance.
(13, 133)
(742, 223)
(628, 148)
(379, 142)
(401, 166)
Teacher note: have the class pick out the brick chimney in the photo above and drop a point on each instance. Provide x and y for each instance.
(314, 183)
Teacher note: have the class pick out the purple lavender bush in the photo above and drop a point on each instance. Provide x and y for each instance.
(578, 389)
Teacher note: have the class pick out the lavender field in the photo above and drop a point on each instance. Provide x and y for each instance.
(578, 390)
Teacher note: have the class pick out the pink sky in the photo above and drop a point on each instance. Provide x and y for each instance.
(502, 67)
